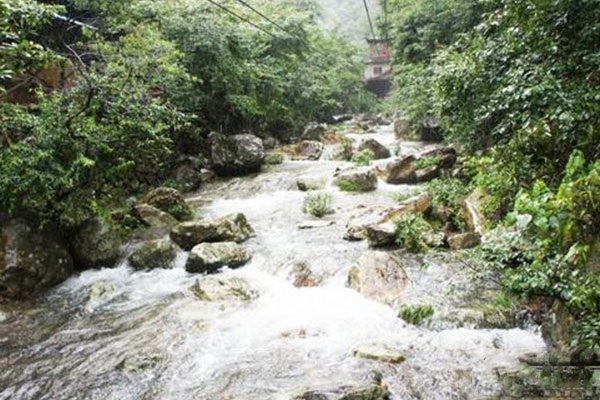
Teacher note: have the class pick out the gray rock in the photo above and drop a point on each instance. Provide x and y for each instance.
(464, 240)
(381, 235)
(379, 150)
(446, 156)
(209, 257)
(155, 254)
(402, 129)
(378, 352)
(356, 180)
(100, 293)
(378, 276)
(31, 259)
(96, 245)
(302, 276)
(427, 174)
(233, 227)
(168, 200)
(236, 155)
(214, 288)
(309, 150)
(188, 177)
(401, 171)
(314, 131)
(307, 183)
(152, 217)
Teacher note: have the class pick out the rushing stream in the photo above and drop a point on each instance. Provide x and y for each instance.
(146, 336)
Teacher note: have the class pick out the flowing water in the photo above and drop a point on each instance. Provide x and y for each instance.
(148, 337)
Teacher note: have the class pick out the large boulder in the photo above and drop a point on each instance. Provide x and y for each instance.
(356, 180)
(379, 151)
(188, 177)
(31, 260)
(314, 131)
(309, 150)
(154, 254)
(96, 245)
(237, 154)
(229, 228)
(402, 129)
(401, 171)
(168, 200)
(209, 257)
(152, 217)
(378, 276)
(473, 210)
(445, 156)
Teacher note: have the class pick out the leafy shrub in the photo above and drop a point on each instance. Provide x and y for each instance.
(364, 157)
(402, 196)
(347, 185)
(416, 314)
(411, 231)
(448, 195)
(317, 204)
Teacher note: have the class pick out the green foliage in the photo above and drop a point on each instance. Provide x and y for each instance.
(317, 204)
(563, 227)
(19, 52)
(411, 231)
(87, 147)
(347, 185)
(426, 162)
(416, 314)
(364, 157)
(274, 158)
(182, 212)
(402, 196)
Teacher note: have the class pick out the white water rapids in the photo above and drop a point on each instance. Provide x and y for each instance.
(280, 344)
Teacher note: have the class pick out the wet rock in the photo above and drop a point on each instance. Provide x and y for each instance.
(155, 254)
(100, 293)
(96, 245)
(556, 331)
(302, 276)
(207, 176)
(274, 158)
(314, 131)
(379, 150)
(378, 352)
(381, 235)
(209, 257)
(31, 260)
(402, 129)
(212, 288)
(168, 200)
(307, 183)
(464, 240)
(188, 178)
(237, 154)
(401, 171)
(446, 156)
(431, 131)
(473, 208)
(152, 217)
(315, 224)
(233, 227)
(309, 150)
(427, 174)
(356, 180)
(378, 276)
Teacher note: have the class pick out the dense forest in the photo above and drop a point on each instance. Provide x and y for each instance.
(515, 84)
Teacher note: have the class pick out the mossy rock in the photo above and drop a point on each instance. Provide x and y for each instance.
(155, 254)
